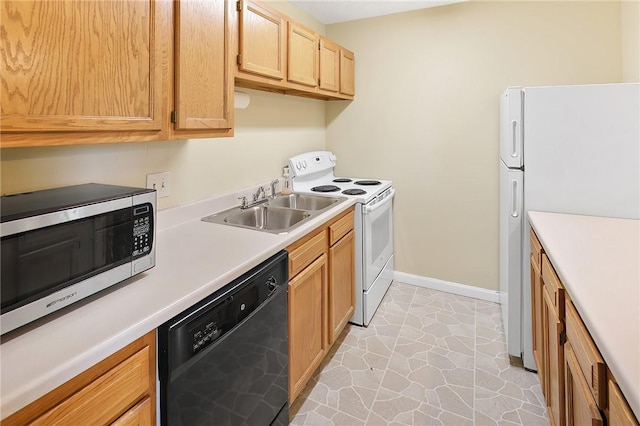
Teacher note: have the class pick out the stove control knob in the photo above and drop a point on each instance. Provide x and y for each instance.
(298, 165)
(333, 158)
(304, 164)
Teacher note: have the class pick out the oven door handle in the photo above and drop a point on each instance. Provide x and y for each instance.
(377, 206)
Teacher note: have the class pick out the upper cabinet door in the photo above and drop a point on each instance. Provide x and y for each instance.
(329, 65)
(347, 72)
(303, 56)
(202, 69)
(79, 66)
(262, 44)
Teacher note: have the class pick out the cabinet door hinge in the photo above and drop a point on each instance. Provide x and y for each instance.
(174, 116)
(239, 6)
(239, 59)
(563, 338)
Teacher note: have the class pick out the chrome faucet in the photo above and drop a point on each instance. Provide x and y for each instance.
(273, 188)
(256, 196)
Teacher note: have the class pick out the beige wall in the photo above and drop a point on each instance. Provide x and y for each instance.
(426, 114)
(630, 27)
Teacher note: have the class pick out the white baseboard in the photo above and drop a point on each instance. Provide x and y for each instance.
(448, 286)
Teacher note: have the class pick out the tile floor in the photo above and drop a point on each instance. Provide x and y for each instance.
(427, 358)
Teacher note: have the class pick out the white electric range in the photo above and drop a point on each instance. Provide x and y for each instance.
(312, 173)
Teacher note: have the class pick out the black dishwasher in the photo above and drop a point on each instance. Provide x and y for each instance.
(224, 361)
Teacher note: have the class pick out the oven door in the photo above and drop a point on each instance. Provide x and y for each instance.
(377, 235)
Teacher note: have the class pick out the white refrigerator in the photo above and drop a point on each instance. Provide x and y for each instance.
(566, 149)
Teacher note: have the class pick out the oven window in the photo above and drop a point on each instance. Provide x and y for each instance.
(380, 235)
(40, 262)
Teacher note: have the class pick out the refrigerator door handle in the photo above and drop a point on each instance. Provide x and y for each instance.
(514, 138)
(514, 199)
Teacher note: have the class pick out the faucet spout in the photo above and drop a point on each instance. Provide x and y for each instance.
(273, 188)
(256, 196)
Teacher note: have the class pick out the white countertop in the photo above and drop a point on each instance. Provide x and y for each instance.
(598, 261)
(193, 260)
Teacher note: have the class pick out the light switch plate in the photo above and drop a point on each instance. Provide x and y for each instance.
(161, 182)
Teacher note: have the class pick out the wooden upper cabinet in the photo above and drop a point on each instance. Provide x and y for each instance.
(303, 55)
(203, 81)
(262, 41)
(329, 65)
(347, 72)
(80, 66)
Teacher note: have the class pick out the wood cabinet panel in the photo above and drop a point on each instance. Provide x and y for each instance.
(305, 251)
(587, 355)
(620, 413)
(553, 285)
(107, 397)
(307, 324)
(101, 394)
(538, 323)
(340, 227)
(581, 408)
(342, 284)
(329, 65)
(81, 66)
(302, 63)
(536, 248)
(137, 416)
(262, 41)
(554, 360)
(203, 81)
(347, 72)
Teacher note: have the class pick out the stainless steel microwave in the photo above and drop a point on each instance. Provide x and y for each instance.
(64, 244)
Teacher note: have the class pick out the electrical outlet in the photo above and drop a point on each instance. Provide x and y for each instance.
(161, 182)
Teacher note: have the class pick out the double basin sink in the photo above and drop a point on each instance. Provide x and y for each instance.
(276, 215)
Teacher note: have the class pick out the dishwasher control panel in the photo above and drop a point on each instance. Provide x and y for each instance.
(204, 334)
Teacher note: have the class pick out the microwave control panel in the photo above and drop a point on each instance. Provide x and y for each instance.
(142, 229)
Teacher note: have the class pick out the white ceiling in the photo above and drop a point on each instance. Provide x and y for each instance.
(333, 11)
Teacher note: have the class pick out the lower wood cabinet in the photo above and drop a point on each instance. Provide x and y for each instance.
(578, 387)
(554, 361)
(619, 412)
(537, 307)
(321, 296)
(307, 318)
(118, 390)
(581, 407)
(342, 290)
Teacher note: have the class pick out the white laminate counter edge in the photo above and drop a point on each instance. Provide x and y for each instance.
(194, 259)
(590, 254)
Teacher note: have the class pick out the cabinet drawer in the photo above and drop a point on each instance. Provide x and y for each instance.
(553, 284)
(536, 248)
(591, 363)
(107, 397)
(620, 413)
(302, 253)
(340, 228)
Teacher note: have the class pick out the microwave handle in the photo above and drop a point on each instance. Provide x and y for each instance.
(387, 200)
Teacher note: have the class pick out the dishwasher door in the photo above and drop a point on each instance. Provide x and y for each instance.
(225, 360)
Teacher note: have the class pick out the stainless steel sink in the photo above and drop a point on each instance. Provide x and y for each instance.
(269, 218)
(303, 202)
(279, 215)
(262, 218)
